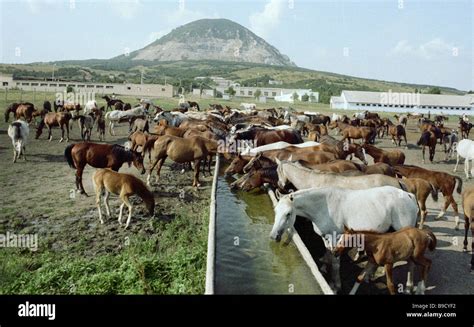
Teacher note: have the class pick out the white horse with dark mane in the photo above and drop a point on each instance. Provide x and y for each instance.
(115, 116)
(465, 149)
(18, 132)
(332, 209)
(305, 178)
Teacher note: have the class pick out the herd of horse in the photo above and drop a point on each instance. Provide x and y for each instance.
(313, 173)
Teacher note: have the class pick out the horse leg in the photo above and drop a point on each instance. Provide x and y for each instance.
(106, 203)
(454, 205)
(447, 201)
(24, 152)
(410, 274)
(50, 133)
(97, 202)
(457, 163)
(130, 207)
(79, 172)
(425, 264)
(120, 213)
(423, 213)
(466, 229)
(197, 164)
(389, 275)
(158, 169)
(405, 137)
(62, 134)
(466, 168)
(363, 276)
(423, 154)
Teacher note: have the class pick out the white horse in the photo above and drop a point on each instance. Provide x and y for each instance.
(359, 115)
(173, 118)
(115, 116)
(90, 105)
(332, 209)
(248, 106)
(336, 117)
(305, 178)
(278, 146)
(465, 149)
(18, 131)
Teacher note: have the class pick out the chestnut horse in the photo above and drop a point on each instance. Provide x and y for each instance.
(52, 119)
(396, 132)
(421, 189)
(385, 249)
(256, 178)
(139, 139)
(11, 109)
(263, 136)
(468, 209)
(179, 150)
(350, 132)
(25, 110)
(392, 157)
(99, 156)
(440, 180)
(124, 185)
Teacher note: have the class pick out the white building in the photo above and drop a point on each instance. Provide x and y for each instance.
(403, 102)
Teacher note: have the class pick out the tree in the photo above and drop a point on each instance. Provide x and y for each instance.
(257, 94)
(295, 96)
(230, 91)
(433, 90)
(305, 98)
(69, 89)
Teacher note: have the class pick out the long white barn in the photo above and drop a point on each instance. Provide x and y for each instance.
(404, 102)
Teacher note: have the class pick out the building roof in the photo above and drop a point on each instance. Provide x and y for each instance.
(335, 99)
(416, 99)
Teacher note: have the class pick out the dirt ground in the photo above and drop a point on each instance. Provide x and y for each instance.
(450, 270)
(38, 197)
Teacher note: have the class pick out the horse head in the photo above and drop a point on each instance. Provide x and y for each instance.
(285, 217)
(282, 178)
(138, 161)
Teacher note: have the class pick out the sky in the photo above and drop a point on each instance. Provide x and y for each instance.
(424, 42)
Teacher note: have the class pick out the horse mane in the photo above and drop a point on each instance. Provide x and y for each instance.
(120, 152)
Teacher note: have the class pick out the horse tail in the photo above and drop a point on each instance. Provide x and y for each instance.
(148, 146)
(432, 240)
(68, 155)
(422, 139)
(459, 189)
(434, 192)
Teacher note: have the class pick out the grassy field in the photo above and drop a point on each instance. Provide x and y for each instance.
(165, 254)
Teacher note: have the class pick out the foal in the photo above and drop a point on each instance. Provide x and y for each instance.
(385, 249)
(124, 185)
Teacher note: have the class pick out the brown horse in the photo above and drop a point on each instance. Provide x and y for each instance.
(139, 139)
(26, 111)
(11, 109)
(257, 178)
(402, 120)
(392, 157)
(421, 189)
(99, 156)
(428, 139)
(181, 151)
(385, 249)
(52, 119)
(468, 208)
(124, 185)
(237, 164)
(396, 132)
(262, 136)
(379, 168)
(169, 130)
(111, 102)
(464, 128)
(440, 180)
(352, 132)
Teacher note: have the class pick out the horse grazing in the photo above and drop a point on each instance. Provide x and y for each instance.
(428, 139)
(18, 132)
(396, 132)
(385, 249)
(468, 209)
(350, 132)
(331, 209)
(263, 136)
(464, 128)
(111, 102)
(99, 156)
(465, 149)
(179, 150)
(391, 157)
(304, 178)
(421, 189)
(124, 185)
(440, 180)
(52, 119)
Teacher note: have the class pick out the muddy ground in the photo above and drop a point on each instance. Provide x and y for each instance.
(38, 197)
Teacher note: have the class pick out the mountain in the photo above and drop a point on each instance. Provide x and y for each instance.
(211, 39)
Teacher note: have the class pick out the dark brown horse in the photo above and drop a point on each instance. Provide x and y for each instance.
(464, 128)
(428, 139)
(111, 102)
(111, 156)
(440, 180)
(52, 119)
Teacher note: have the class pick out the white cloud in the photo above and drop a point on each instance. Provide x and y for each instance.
(127, 9)
(264, 21)
(434, 48)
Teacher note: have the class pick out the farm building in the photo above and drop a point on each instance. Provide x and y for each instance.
(149, 90)
(403, 102)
